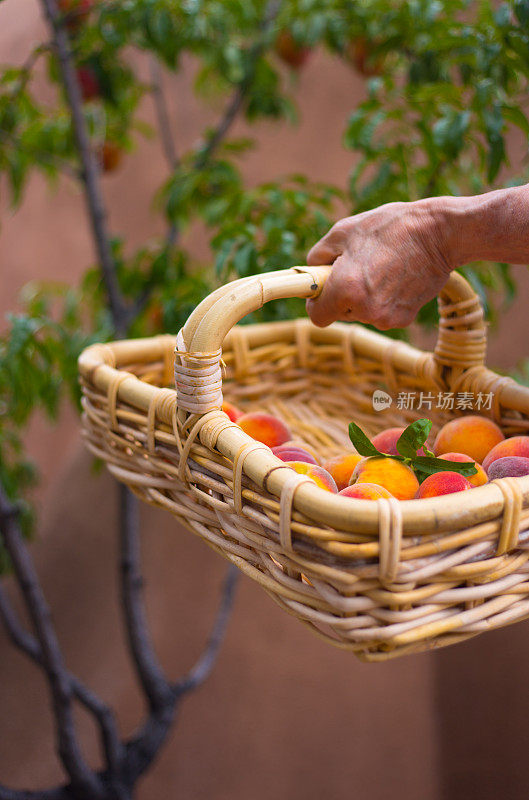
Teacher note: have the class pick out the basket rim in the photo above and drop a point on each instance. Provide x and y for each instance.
(102, 365)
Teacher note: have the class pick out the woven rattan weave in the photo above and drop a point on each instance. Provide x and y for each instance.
(381, 578)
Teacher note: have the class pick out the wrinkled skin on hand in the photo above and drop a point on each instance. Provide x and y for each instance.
(386, 264)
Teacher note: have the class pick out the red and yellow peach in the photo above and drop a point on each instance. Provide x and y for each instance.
(442, 483)
(473, 436)
(396, 477)
(232, 411)
(341, 468)
(515, 446)
(319, 475)
(476, 480)
(287, 452)
(264, 428)
(365, 491)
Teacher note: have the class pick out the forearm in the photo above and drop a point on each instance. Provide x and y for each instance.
(492, 226)
(389, 261)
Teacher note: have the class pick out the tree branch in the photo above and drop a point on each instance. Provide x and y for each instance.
(125, 762)
(162, 115)
(173, 162)
(218, 134)
(169, 149)
(110, 741)
(60, 793)
(239, 95)
(151, 676)
(93, 195)
(203, 667)
(26, 68)
(61, 693)
(145, 745)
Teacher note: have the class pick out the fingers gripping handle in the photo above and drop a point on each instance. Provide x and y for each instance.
(198, 353)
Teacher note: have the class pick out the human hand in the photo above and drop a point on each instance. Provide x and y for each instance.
(386, 264)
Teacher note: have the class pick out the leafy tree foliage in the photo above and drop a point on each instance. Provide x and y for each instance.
(444, 85)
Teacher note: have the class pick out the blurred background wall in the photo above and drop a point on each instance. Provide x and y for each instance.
(284, 715)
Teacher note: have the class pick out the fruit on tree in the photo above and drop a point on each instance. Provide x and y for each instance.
(359, 53)
(110, 155)
(88, 82)
(76, 13)
(289, 51)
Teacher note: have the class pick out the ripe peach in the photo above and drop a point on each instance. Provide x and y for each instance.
(396, 477)
(476, 480)
(300, 444)
(473, 435)
(287, 452)
(365, 491)
(289, 51)
(442, 483)
(386, 441)
(319, 475)
(515, 446)
(509, 467)
(341, 468)
(265, 428)
(232, 411)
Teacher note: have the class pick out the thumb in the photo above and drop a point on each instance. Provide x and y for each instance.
(326, 308)
(324, 252)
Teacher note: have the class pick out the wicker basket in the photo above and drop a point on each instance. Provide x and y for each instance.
(379, 578)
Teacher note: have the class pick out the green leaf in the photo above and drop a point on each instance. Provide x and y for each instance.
(413, 437)
(430, 466)
(361, 441)
(521, 9)
(515, 115)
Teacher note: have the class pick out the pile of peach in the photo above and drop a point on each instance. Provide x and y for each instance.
(467, 439)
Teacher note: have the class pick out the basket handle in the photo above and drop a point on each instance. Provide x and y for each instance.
(461, 341)
(462, 337)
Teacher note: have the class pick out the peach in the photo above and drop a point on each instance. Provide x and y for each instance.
(473, 435)
(515, 446)
(232, 411)
(509, 467)
(110, 155)
(319, 475)
(443, 483)
(396, 477)
(341, 468)
(88, 82)
(476, 480)
(365, 491)
(386, 441)
(265, 428)
(301, 445)
(287, 452)
(289, 51)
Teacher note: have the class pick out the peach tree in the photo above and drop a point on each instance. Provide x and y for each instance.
(442, 113)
